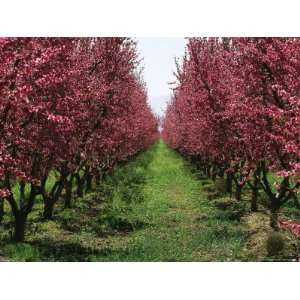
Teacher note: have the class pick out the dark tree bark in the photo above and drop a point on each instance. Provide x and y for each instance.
(48, 208)
(89, 180)
(20, 225)
(254, 198)
(229, 184)
(274, 216)
(255, 190)
(214, 173)
(284, 193)
(208, 172)
(51, 198)
(238, 192)
(21, 213)
(238, 180)
(68, 194)
(80, 185)
(97, 178)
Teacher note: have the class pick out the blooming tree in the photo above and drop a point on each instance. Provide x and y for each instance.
(235, 109)
(67, 106)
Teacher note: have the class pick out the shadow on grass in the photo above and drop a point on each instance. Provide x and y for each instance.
(66, 251)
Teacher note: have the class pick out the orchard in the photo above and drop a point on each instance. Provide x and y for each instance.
(72, 107)
(236, 113)
(88, 171)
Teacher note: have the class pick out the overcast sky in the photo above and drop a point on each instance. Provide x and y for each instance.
(159, 64)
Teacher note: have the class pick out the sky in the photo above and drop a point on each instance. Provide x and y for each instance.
(159, 64)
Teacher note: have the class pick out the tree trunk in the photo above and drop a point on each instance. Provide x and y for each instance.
(221, 172)
(229, 184)
(274, 217)
(80, 185)
(80, 189)
(254, 195)
(89, 179)
(208, 172)
(19, 233)
(214, 176)
(238, 192)
(98, 178)
(214, 172)
(68, 195)
(48, 209)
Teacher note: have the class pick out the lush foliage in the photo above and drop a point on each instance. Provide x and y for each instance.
(70, 108)
(236, 112)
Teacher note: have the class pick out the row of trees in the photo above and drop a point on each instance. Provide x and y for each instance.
(236, 112)
(70, 108)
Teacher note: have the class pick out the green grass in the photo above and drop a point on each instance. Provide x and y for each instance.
(181, 224)
(153, 208)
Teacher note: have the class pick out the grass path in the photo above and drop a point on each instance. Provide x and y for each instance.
(181, 224)
(152, 208)
(158, 195)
